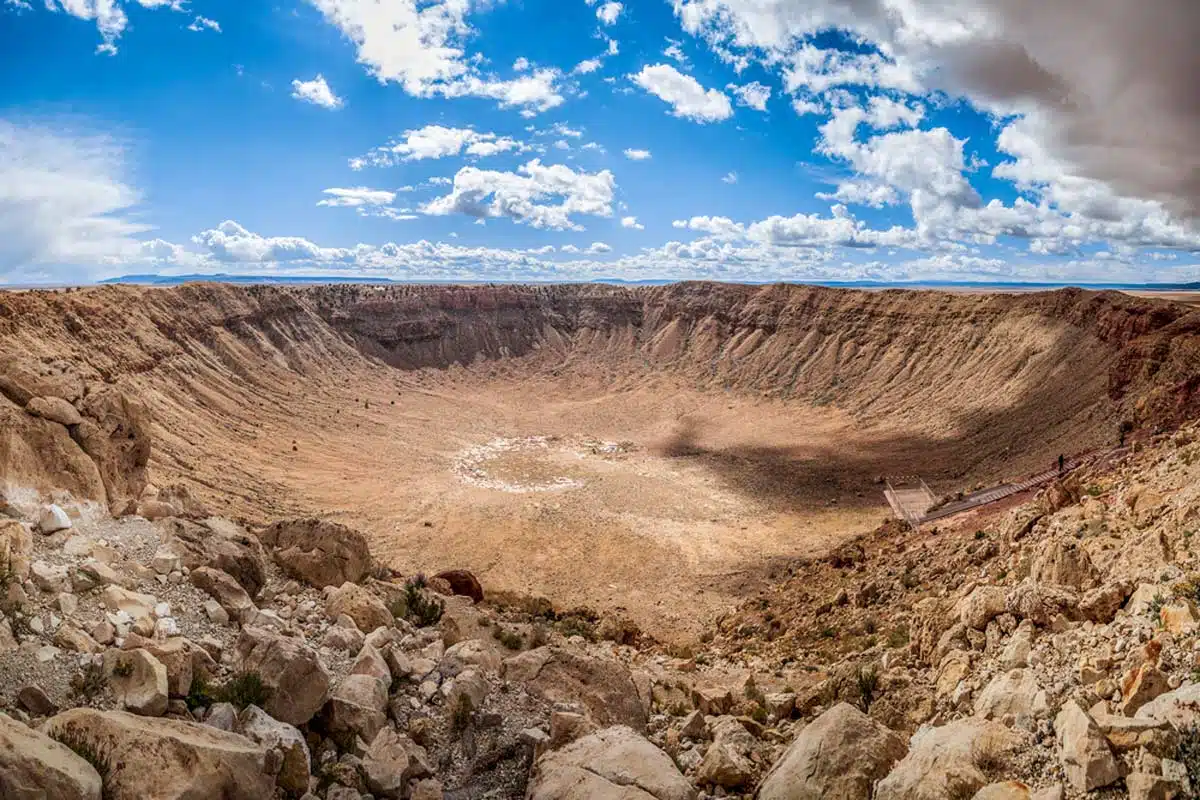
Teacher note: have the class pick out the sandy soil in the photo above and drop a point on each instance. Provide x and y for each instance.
(618, 497)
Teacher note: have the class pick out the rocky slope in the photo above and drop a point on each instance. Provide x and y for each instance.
(998, 383)
(1047, 651)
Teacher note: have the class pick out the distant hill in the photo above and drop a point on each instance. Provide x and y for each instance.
(308, 280)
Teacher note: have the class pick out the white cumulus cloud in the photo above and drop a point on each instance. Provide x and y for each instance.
(687, 98)
(528, 195)
(317, 92)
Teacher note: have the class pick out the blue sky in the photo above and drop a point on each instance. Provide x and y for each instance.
(571, 139)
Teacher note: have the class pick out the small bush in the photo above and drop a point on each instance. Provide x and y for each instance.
(868, 683)
(510, 639)
(244, 689)
(420, 610)
(540, 636)
(1188, 753)
(898, 638)
(200, 694)
(89, 683)
(577, 625)
(1155, 606)
(828, 632)
(461, 715)
(123, 669)
(100, 760)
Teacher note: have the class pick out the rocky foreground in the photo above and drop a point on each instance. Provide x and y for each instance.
(151, 648)
(175, 654)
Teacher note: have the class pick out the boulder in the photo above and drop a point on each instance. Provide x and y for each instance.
(838, 756)
(318, 552)
(34, 699)
(391, 761)
(178, 655)
(943, 762)
(356, 708)
(219, 544)
(53, 519)
(463, 583)
(1180, 708)
(35, 767)
(226, 591)
(1102, 603)
(1179, 616)
(371, 662)
(1041, 603)
(1083, 751)
(981, 606)
(115, 433)
(603, 687)
(713, 701)
(138, 680)
(1147, 786)
(285, 741)
(298, 682)
(612, 764)
(567, 726)
(16, 548)
(1064, 563)
(729, 761)
(1014, 693)
(54, 409)
(1125, 734)
(367, 610)
(136, 605)
(470, 653)
(1005, 790)
(164, 759)
(1140, 686)
(42, 455)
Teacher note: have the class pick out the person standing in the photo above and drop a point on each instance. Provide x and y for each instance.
(1061, 464)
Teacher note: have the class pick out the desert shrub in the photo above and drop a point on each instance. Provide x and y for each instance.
(200, 694)
(1188, 753)
(510, 639)
(461, 715)
(898, 638)
(244, 689)
(89, 683)
(1155, 605)
(100, 760)
(868, 683)
(539, 636)
(123, 669)
(828, 632)
(419, 609)
(577, 625)
(754, 694)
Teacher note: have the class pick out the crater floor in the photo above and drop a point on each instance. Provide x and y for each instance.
(666, 501)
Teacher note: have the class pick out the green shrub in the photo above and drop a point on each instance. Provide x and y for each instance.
(510, 639)
(244, 689)
(898, 638)
(200, 694)
(868, 684)
(1188, 753)
(419, 609)
(89, 683)
(100, 760)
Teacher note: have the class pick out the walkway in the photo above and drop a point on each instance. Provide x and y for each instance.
(986, 496)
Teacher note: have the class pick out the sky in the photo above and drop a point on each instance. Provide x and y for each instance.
(566, 140)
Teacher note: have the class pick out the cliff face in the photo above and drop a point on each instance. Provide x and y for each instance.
(1001, 372)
